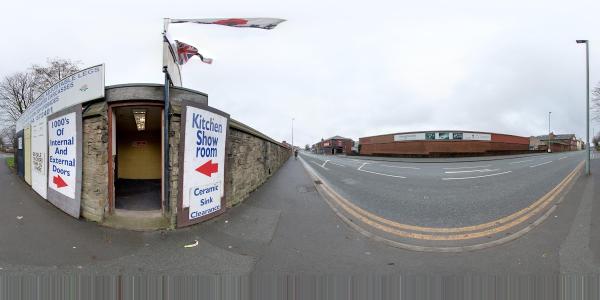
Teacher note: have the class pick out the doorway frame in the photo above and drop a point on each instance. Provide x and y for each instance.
(111, 171)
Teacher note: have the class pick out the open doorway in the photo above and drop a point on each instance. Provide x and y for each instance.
(136, 144)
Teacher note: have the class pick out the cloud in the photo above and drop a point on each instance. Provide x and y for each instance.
(340, 67)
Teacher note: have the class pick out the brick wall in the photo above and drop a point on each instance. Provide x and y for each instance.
(385, 145)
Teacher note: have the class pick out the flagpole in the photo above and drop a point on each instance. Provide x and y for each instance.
(166, 147)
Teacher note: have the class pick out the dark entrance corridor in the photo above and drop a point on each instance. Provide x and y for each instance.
(138, 169)
(137, 194)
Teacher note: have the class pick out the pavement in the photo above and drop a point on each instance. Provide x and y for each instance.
(286, 226)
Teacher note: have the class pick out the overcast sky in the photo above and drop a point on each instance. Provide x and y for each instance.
(350, 68)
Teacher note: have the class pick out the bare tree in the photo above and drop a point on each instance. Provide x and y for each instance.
(7, 136)
(55, 70)
(17, 92)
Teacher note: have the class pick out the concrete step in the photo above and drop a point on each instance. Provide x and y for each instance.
(137, 220)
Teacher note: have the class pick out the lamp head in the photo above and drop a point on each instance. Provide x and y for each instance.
(581, 41)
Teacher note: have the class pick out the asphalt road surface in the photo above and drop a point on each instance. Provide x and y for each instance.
(286, 226)
(444, 194)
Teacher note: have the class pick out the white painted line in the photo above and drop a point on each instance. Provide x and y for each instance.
(562, 157)
(540, 164)
(521, 161)
(325, 163)
(473, 177)
(473, 167)
(388, 175)
(318, 164)
(471, 171)
(397, 167)
(336, 164)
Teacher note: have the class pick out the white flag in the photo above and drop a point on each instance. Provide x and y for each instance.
(263, 23)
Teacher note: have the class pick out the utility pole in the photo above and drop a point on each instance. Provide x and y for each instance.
(587, 104)
(549, 131)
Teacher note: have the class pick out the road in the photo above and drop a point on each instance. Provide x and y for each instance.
(444, 193)
(287, 227)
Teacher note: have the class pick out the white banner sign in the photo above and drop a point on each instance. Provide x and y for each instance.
(409, 137)
(80, 87)
(204, 162)
(39, 156)
(62, 154)
(443, 135)
(474, 136)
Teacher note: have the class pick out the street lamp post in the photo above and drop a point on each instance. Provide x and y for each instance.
(549, 140)
(587, 104)
(292, 135)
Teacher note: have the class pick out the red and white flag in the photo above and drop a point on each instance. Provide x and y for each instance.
(263, 23)
(185, 52)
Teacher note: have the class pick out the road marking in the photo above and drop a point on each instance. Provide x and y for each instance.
(388, 175)
(540, 164)
(473, 167)
(521, 161)
(473, 177)
(512, 220)
(471, 171)
(562, 157)
(324, 163)
(414, 168)
(336, 164)
(318, 164)
(381, 174)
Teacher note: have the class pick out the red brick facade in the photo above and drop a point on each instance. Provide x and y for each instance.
(499, 144)
(334, 146)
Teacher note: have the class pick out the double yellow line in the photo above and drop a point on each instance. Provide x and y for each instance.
(451, 233)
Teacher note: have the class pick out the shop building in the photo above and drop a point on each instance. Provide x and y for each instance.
(334, 145)
(557, 142)
(103, 154)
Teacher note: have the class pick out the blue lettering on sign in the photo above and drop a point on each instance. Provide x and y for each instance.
(58, 170)
(202, 191)
(206, 144)
(61, 147)
(198, 214)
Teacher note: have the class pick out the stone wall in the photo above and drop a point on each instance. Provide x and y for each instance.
(94, 192)
(252, 159)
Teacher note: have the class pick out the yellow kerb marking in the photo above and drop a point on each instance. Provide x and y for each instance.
(517, 217)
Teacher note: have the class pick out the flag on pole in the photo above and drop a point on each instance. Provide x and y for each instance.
(262, 23)
(173, 69)
(185, 52)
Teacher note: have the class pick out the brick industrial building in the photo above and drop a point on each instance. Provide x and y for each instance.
(443, 143)
(334, 145)
(558, 142)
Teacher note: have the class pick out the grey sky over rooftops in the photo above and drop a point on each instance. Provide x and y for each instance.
(349, 68)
